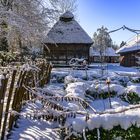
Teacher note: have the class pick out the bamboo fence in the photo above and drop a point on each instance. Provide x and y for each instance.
(12, 91)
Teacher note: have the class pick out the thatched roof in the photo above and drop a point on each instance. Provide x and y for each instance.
(108, 52)
(67, 31)
(131, 46)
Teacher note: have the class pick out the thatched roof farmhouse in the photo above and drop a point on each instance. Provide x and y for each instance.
(130, 52)
(67, 40)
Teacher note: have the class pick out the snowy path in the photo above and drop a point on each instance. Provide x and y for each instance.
(30, 129)
(34, 130)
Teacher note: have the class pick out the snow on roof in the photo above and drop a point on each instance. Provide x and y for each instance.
(67, 30)
(67, 15)
(111, 52)
(108, 52)
(132, 45)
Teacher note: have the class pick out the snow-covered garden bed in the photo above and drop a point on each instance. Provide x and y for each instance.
(75, 106)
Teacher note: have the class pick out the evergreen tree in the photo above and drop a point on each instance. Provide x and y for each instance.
(102, 40)
(115, 46)
(3, 44)
(3, 39)
(122, 44)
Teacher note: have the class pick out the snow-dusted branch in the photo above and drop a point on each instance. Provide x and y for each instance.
(120, 110)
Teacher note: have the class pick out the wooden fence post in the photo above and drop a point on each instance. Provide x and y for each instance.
(2, 95)
(16, 97)
(8, 103)
(25, 78)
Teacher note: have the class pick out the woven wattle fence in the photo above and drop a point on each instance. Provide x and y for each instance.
(13, 93)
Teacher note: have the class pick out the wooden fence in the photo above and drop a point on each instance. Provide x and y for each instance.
(13, 92)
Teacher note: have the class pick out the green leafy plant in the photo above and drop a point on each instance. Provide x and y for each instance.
(102, 95)
(132, 133)
(131, 98)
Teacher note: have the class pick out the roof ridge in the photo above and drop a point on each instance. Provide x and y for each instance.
(68, 32)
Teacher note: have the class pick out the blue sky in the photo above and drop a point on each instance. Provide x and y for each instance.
(92, 14)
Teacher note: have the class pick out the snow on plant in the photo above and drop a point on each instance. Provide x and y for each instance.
(103, 88)
(77, 89)
(19, 24)
(70, 79)
(134, 89)
(77, 121)
(73, 112)
(135, 79)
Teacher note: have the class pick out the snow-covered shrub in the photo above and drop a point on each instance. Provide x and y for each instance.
(75, 112)
(135, 80)
(117, 133)
(58, 78)
(133, 89)
(70, 79)
(7, 57)
(102, 90)
(77, 89)
(133, 98)
(123, 80)
(132, 94)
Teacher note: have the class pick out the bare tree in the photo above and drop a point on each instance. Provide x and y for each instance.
(25, 20)
(61, 6)
(29, 20)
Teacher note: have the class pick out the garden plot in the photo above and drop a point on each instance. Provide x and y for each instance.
(81, 101)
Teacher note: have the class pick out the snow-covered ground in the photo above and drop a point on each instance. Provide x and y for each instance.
(105, 107)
